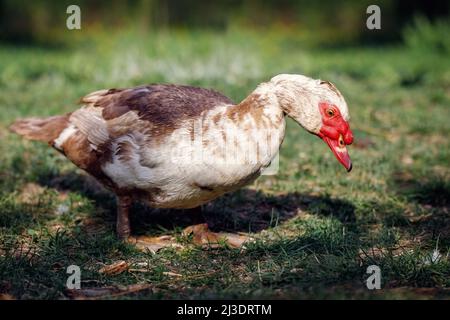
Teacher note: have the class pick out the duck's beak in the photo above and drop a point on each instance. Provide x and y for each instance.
(339, 150)
(335, 131)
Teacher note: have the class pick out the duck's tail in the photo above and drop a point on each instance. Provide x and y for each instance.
(41, 129)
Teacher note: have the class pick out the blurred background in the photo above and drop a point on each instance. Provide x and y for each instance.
(325, 23)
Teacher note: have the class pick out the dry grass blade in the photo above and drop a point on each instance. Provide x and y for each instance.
(115, 268)
(172, 274)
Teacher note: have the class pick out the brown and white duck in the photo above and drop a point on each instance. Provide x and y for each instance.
(175, 146)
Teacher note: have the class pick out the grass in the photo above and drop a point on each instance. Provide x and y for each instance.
(317, 228)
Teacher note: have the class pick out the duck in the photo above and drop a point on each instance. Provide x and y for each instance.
(179, 146)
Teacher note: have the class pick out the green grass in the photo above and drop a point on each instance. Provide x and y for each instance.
(317, 228)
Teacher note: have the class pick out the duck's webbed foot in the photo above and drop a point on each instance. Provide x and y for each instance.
(123, 222)
(198, 233)
(153, 244)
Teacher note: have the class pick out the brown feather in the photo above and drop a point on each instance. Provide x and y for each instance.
(161, 104)
(41, 129)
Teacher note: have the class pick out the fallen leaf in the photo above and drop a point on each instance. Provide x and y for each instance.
(6, 296)
(115, 268)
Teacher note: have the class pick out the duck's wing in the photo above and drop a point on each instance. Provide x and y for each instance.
(158, 104)
(152, 111)
(161, 108)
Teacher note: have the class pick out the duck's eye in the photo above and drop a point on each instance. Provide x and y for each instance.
(330, 112)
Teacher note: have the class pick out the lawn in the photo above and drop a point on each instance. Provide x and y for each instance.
(316, 227)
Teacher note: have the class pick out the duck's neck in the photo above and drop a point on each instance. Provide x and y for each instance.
(262, 107)
(259, 121)
(263, 101)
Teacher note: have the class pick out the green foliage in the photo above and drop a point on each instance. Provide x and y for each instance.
(428, 37)
(325, 23)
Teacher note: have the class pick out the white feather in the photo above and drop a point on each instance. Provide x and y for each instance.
(64, 135)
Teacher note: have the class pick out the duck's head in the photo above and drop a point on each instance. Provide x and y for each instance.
(319, 108)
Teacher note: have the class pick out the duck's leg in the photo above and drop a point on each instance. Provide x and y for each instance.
(143, 243)
(201, 235)
(123, 221)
